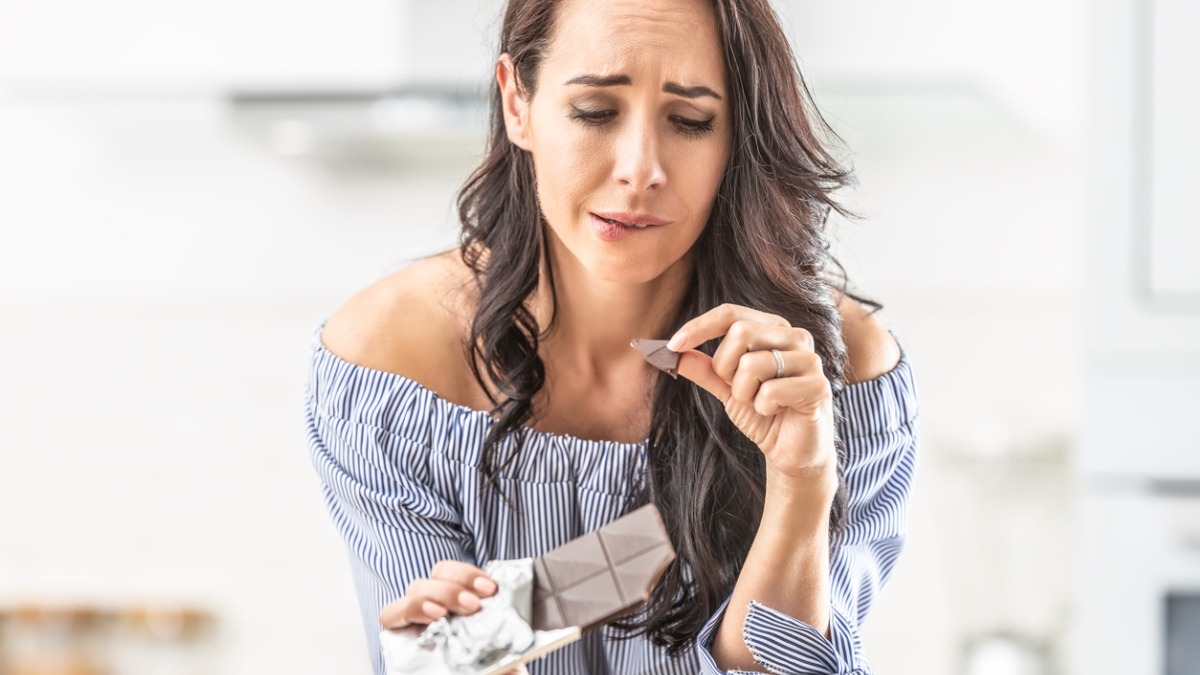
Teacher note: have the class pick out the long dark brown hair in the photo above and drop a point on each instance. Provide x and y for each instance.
(765, 246)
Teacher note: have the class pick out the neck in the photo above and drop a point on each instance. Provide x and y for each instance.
(595, 319)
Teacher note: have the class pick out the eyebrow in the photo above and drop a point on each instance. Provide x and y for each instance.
(690, 92)
(670, 87)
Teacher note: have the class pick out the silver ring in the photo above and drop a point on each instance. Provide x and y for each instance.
(778, 363)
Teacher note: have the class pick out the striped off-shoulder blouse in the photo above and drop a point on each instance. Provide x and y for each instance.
(399, 468)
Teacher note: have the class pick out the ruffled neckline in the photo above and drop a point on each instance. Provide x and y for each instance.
(483, 419)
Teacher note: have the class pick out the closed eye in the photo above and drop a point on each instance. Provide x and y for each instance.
(599, 117)
(693, 127)
(592, 117)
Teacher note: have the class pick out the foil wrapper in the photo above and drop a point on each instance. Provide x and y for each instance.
(541, 603)
(493, 640)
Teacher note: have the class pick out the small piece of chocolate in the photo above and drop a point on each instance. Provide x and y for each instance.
(657, 354)
(603, 575)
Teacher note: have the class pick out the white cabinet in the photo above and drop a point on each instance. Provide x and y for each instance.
(1142, 289)
(1171, 138)
(1142, 292)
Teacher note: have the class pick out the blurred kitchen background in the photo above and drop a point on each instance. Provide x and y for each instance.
(188, 189)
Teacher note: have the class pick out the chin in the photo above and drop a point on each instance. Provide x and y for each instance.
(626, 269)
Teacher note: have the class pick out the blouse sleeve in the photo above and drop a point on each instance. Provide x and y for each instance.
(374, 477)
(880, 434)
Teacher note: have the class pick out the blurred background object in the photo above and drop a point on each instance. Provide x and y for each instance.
(60, 640)
(189, 189)
(48, 639)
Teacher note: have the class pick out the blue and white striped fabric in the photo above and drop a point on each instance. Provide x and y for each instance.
(399, 468)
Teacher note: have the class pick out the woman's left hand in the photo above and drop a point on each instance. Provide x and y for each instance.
(789, 415)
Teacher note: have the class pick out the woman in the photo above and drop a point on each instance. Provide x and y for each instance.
(654, 169)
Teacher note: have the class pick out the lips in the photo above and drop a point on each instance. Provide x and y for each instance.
(628, 219)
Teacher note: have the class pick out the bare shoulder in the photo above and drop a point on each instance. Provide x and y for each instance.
(413, 322)
(871, 349)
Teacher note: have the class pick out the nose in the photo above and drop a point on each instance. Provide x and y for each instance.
(637, 165)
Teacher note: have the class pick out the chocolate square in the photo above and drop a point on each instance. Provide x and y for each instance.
(657, 354)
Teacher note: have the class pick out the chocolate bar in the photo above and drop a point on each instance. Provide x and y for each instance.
(603, 575)
(656, 352)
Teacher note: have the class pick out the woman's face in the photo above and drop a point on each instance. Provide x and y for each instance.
(629, 132)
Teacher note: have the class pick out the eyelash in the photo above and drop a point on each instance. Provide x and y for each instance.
(598, 118)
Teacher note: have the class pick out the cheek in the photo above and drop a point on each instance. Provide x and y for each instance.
(569, 164)
(698, 174)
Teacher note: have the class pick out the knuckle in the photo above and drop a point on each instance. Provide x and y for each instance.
(724, 359)
(745, 359)
(453, 570)
(740, 331)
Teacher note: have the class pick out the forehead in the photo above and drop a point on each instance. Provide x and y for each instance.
(674, 38)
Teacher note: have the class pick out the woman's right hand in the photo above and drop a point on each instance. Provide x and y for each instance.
(452, 586)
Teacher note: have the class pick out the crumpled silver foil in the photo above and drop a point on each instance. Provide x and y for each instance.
(466, 645)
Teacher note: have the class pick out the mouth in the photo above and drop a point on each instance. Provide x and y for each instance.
(610, 221)
(635, 220)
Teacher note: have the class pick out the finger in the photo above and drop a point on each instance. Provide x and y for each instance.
(465, 575)
(448, 594)
(433, 610)
(425, 602)
(756, 368)
(752, 336)
(715, 323)
(807, 394)
(697, 367)
(409, 611)
(752, 370)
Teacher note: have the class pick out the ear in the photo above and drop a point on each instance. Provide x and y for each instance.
(513, 101)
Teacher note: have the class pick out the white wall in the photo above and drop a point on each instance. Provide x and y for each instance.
(161, 281)
(976, 258)
(1142, 337)
(162, 274)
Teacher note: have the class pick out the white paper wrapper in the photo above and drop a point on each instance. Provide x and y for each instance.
(495, 639)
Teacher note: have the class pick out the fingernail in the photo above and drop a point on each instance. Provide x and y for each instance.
(484, 585)
(677, 341)
(469, 600)
(432, 609)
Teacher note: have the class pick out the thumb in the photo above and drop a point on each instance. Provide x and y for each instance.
(697, 367)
